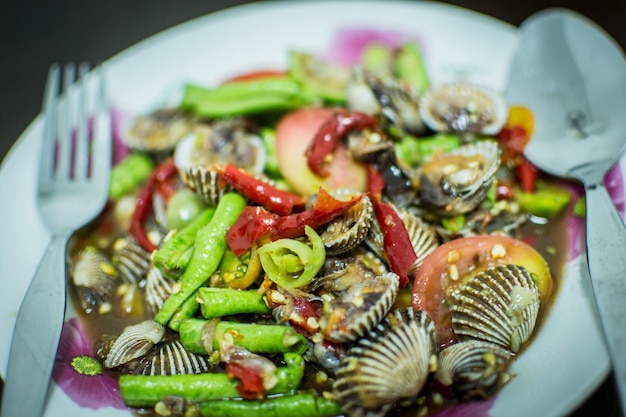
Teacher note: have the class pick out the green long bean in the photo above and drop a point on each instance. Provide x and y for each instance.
(210, 244)
(186, 311)
(220, 302)
(299, 404)
(147, 390)
(174, 255)
(258, 338)
(133, 170)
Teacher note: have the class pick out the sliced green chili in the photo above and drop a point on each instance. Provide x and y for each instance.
(414, 150)
(174, 255)
(220, 302)
(129, 174)
(548, 199)
(257, 338)
(147, 390)
(291, 263)
(300, 404)
(209, 247)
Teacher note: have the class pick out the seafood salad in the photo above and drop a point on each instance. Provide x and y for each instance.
(334, 240)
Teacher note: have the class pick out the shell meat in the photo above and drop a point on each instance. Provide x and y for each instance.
(348, 230)
(134, 342)
(158, 131)
(363, 300)
(473, 369)
(389, 365)
(463, 108)
(456, 182)
(499, 305)
(94, 278)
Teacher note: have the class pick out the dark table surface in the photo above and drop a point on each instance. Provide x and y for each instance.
(35, 33)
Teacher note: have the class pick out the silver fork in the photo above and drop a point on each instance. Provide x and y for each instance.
(72, 189)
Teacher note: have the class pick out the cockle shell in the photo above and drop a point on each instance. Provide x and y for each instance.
(499, 305)
(134, 342)
(348, 230)
(473, 369)
(464, 108)
(158, 288)
(158, 131)
(172, 358)
(390, 364)
(131, 260)
(94, 278)
(457, 182)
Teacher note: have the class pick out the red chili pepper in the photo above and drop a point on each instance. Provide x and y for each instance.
(143, 205)
(256, 222)
(328, 136)
(250, 385)
(398, 248)
(275, 200)
(527, 174)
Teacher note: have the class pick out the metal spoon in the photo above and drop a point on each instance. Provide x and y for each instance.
(572, 76)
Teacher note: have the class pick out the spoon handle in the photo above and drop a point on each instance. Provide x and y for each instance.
(606, 255)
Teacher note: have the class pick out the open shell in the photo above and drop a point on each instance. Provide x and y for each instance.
(388, 365)
(159, 131)
(499, 305)
(94, 278)
(348, 230)
(457, 182)
(464, 108)
(134, 342)
(473, 369)
(363, 300)
(131, 260)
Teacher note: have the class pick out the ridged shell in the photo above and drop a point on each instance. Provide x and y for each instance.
(360, 307)
(388, 365)
(206, 182)
(499, 305)
(172, 358)
(94, 277)
(464, 108)
(348, 230)
(131, 260)
(134, 342)
(158, 131)
(423, 237)
(158, 288)
(457, 182)
(473, 369)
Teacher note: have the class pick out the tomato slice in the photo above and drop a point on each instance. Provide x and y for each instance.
(453, 262)
(257, 75)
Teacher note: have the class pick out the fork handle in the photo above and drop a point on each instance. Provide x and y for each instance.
(606, 255)
(36, 335)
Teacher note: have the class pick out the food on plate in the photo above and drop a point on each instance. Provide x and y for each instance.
(324, 238)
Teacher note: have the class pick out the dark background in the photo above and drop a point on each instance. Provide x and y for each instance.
(35, 33)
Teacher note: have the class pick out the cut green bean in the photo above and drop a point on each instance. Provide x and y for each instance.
(414, 150)
(409, 67)
(147, 390)
(299, 404)
(209, 247)
(257, 338)
(187, 310)
(172, 258)
(220, 302)
(129, 174)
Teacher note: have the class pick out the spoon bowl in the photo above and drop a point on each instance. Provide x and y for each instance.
(572, 76)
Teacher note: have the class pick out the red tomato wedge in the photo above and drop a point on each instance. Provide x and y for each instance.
(463, 258)
(257, 75)
(294, 132)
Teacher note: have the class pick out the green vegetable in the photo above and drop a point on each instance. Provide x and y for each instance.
(300, 404)
(322, 78)
(182, 208)
(219, 302)
(258, 338)
(580, 207)
(209, 247)
(271, 164)
(147, 390)
(377, 58)
(414, 150)
(174, 255)
(548, 199)
(129, 174)
(409, 66)
(453, 224)
(291, 263)
(245, 98)
(186, 311)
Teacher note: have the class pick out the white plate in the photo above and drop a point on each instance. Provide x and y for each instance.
(567, 360)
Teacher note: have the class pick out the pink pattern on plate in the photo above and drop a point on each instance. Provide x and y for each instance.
(348, 44)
